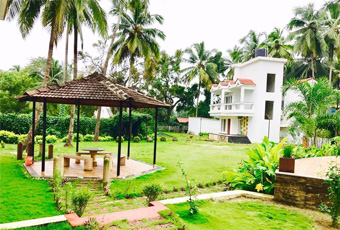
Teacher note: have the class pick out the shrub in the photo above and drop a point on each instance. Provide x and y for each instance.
(152, 191)
(333, 181)
(108, 138)
(88, 137)
(80, 199)
(258, 172)
(101, 139)
(64, 139)
(175, 189)
(92, 224)
(74, 138)
(22, 138)
(174, 139)
(51, 139)
(38, 139)
(163, 139)
(9, 137)
(203, 134)
(117, 139)
(288, 151)
(149, 139)
(136, 139)
(2, 144)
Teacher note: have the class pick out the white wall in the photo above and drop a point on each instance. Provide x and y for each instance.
(203, 125)
(257, 70)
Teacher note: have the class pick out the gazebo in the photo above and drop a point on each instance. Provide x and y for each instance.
(93, 90)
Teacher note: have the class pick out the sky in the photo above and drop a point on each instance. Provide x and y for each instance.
(219, 23)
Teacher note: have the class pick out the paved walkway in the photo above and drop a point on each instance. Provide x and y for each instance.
(130, 215)
(33, 222)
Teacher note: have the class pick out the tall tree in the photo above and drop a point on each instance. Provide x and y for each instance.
(235, 55)
(53, 17)
(119, 6)
(201, 67)
(250, 43)
(82, 12)
(277, 45)
(308, 25)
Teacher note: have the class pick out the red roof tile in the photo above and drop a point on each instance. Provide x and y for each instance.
(245, 81)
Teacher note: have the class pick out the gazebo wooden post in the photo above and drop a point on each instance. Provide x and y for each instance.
(120, 136)
(44, 138)
(33, 128)
(130, 131)
(155, 142)
(78, 122)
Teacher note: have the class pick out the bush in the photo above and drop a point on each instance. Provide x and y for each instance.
(74, 138)
(22, 138)
(9, 137)
(258, 172)
(64, 139)
(80, 198)
(163, 139)
(288, 151)
(152, 191)
(88, 137)
(117, 139)
(101, 139)
(108, 138)
(149, 139)
(136, 139)
(203, 134)
(174, 139)
(2, 144)
(92, 224)
(51, 139)
(38, 139)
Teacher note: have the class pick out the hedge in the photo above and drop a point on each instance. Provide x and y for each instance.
(58, 126)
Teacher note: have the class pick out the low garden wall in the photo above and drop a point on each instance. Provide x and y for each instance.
(300, 191)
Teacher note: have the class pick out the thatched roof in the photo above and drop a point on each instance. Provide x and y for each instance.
(95, 90)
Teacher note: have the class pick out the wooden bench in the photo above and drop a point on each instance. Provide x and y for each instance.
(88, 162)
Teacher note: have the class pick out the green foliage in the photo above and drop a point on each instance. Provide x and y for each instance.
(152, 191)
(92, 224)
(58, 126)
(203, 134)
(8, 137)
(288, 151)
(163, 139)
(191, 190)
(38, 139)
(333, 182)
(74, 138)
(258, 172)
(51, 139)
(80, 198)
(136, 139)
(22, 138)
(2, 144)
(117, 139)
(88, 137)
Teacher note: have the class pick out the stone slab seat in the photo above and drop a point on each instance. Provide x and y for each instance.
(88, 153)
(88, 161)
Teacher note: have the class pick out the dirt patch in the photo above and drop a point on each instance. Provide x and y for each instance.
(143, 228)
(164, 226)
(136, 223)
(156, 219)
(114, 227)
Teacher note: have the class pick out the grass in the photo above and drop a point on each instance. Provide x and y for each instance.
(241, 215)
(22, 198)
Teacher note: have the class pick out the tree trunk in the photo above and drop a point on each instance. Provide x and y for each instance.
(330, 72)
(315, 137)
(73, 107)
(198, 97)
(312, 63)
(44, 83)
(132, 63)
(66, 54)
(108, 56)
(96, 133)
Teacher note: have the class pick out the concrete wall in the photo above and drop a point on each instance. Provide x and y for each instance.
(257, 70)
(204, 125)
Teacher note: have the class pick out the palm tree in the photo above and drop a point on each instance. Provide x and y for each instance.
(136, 39)
(82, 12)
(250, 43)
(235, 56)
(53, 17)
(314, 103)
(332, 36)
(308, 34)
(119, 6)
(277, 45)
(201, 67)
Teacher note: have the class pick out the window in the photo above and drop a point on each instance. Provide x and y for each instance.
(268, 111)
(270, 83)
(223, 122)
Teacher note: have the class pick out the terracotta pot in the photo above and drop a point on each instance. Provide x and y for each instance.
(287, 165)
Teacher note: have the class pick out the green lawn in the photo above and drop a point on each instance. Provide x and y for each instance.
(22, 198)
(253, 215)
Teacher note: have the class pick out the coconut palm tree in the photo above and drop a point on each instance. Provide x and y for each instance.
(136, 38)
(201, 67)
(277, 45)
(250, 43)
(119, 6)
(235, 56)
(82, 12)
(308, 26)
(315, 100)
(53, 18)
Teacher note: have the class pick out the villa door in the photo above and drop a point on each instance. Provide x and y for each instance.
(228, 128)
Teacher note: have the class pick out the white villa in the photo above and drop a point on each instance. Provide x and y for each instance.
(251, 104)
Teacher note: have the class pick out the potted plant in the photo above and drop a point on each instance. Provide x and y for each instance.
(287, 162)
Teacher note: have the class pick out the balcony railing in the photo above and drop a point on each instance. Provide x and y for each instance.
(242, 107)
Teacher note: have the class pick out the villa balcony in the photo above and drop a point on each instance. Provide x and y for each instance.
(232, 109)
